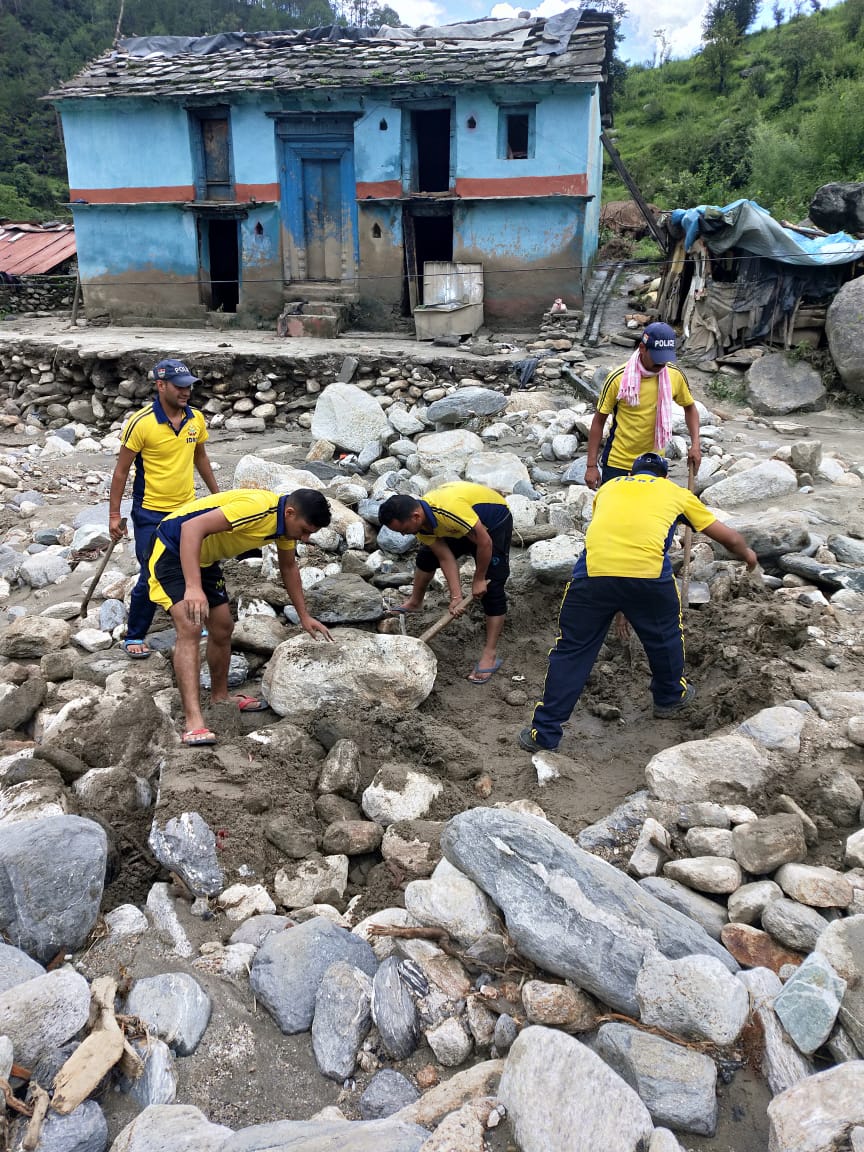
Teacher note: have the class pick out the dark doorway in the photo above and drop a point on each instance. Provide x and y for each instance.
(224, 265)
(432, 149)
(428, 235)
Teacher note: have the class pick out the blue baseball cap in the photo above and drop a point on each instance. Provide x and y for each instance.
(659, 339)
(174, 372)
(651, 462)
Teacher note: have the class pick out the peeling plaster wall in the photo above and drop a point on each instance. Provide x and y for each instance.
(381, 263)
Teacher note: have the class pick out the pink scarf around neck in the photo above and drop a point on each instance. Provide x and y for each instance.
(631, 384)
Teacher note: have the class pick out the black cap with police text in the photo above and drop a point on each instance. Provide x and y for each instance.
(659, 339)
(174, 372)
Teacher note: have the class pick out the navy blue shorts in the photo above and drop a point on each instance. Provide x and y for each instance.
(168, 584)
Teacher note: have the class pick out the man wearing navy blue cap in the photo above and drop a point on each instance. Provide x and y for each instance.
(624, 568)
(638, 396)
(165, 441)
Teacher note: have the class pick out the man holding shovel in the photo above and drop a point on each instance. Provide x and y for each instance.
(459, 519)
(624, 568)
(165, 441)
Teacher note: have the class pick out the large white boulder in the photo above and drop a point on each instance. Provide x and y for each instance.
(499, 470)
(307, 677)
(722, 768)
(765, 481)
(349, 417)
(447, 451)
(256, 472)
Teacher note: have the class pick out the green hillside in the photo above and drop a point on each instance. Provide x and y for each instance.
(770, 116)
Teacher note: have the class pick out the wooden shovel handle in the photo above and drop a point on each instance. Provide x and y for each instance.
(102, 566)
(688, 540)
(445, 620)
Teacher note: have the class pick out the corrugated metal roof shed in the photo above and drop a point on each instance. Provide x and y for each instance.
(27, 249)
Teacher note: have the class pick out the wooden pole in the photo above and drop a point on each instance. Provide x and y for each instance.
(446, 619)
(688, 541)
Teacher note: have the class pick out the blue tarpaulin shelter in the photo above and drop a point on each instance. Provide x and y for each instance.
(737, 276)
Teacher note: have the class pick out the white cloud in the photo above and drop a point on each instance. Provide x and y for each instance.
(414, 13)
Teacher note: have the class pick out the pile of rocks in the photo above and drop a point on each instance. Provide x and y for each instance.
(37, 295)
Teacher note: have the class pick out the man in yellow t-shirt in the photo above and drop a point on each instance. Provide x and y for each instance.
(460, 519)
(186, 580)
(165, 441)
(635, 427)
(625, 568)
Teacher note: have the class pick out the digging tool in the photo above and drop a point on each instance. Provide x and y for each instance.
(688, 541)
(103, 564)
(445, 620)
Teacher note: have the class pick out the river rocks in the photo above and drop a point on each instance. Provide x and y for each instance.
(289, 966)
(777, 729)
(387, 1092)
(844, 328)
(52, 872)
(341, 599)
(570, 912)
(695, 997)
(19, 704)
(793, 924)
(765, 844)
(258, 633)
(311, 881)
(397, 792)
(305, 676)
(241, 901)
(815, 1114)
(342, 1019)
(753, 948)
(16, 967)
(450, 1042)
(187, 846)
(43, 1013)
(842, 945)
(348, 417)
(558, 1006)
(777, 385)
(464, 403)
(84, 1130)
(721, 768)
(179, 1127)
(447, 452)
(174, 1006)
(553, 1087)
(819, 887)
(31, 637)
(705, 873)
(766, 481)
(450, 900)
(782, 1063)
(502, 471)
(393, 1009)
(414, 846)
(809, 1002)
(709, 913)
(552, 560)
(746, 905)
(676, 1085)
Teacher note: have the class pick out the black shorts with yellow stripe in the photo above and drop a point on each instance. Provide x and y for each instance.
(167, 584)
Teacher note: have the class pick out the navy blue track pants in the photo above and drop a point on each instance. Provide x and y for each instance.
(141, 608)
(590, 603)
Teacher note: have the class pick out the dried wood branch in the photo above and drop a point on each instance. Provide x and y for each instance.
(95, 1056)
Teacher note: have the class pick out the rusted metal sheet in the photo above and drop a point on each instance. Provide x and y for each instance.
(28, 250)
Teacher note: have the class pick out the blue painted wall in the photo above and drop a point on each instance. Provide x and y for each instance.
(126, 144)
(377, 151)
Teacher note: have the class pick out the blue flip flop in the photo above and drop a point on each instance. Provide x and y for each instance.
(486, 673)
(402, 611)
(135, 655)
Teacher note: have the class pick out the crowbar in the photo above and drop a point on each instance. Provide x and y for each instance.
(103, 563)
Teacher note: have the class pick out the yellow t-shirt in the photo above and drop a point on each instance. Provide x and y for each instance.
(632, 525)
(256, 517)
(454, 509)
(632, 431)
(165, 460)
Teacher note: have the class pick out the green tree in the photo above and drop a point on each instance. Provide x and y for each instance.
(721, 43)
(742, 13)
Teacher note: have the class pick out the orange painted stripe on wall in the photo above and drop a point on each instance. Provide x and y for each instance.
(572, 185)
(379, 189)
(257, 191)
(133, 195)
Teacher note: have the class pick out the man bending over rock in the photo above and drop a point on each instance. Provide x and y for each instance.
(186, 579)
(459, 519)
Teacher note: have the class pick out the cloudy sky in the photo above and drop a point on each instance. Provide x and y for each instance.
(682, 19)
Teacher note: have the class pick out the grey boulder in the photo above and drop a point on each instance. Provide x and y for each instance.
(52, 872)
(342, 1019)
(809, 1002)
(328, 1136)
(844, 328)
(174, 1006)
(84, 1130)
(44, 1013)
(341, 599)
(568, 911)
(387, 1092)
(172, 1128)
(289, 967)
(394, 1011)
(187, 846)
(776, 385)
(677, 1085)
(16, 967)
(465, 403)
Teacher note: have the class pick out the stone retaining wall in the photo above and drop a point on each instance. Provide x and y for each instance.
(37, 294)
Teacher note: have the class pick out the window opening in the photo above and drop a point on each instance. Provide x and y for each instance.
(517, 135)
(432, 149)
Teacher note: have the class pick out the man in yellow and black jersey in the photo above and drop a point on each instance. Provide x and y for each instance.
(625, 568)
(186, 580)
(165, 442)
(459, 519)
(634, 421)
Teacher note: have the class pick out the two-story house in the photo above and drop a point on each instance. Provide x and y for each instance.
(235, 172)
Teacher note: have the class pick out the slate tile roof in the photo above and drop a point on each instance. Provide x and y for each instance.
(295, 61)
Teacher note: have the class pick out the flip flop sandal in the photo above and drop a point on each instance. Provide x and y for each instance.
(136, 655)
(486, 673)
(250, 704)
(198, 738)
(402, 611)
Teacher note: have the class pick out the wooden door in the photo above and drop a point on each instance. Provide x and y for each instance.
(322, 213)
